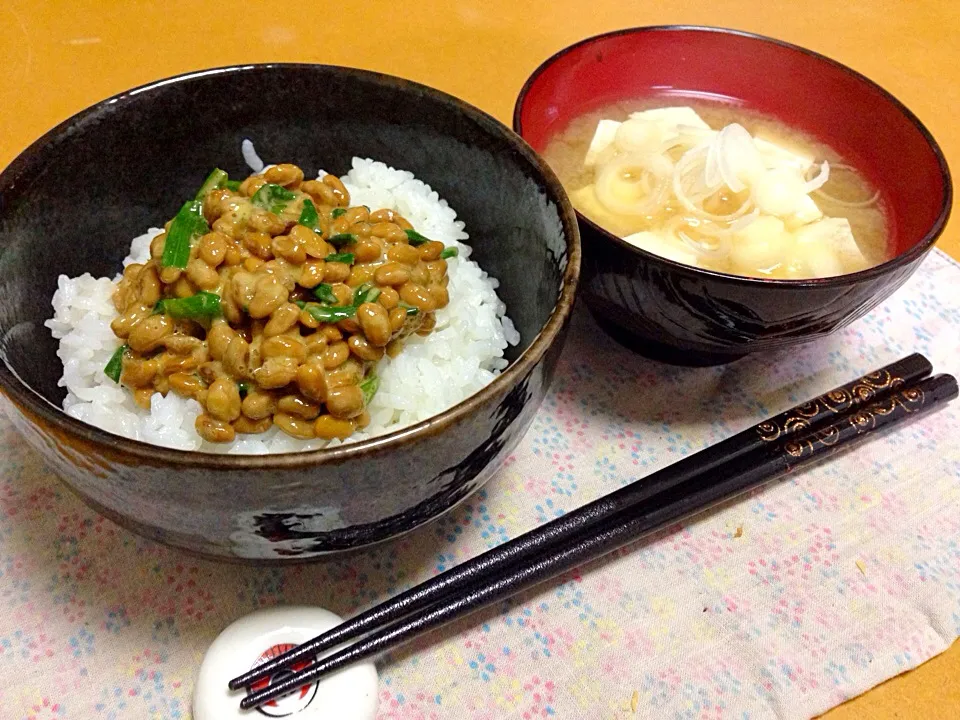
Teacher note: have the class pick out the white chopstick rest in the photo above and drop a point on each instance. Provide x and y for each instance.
(350, 694)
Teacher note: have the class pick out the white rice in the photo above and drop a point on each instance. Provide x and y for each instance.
(463, 354)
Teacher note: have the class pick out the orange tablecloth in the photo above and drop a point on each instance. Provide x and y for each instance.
(60, 57)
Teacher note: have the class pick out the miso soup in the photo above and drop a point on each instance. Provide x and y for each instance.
(721, 188)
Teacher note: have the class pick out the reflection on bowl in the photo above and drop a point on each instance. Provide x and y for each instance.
(692, 316)
(126, 161)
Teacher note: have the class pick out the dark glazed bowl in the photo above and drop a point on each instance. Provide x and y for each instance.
(72, 202)
(689, 316)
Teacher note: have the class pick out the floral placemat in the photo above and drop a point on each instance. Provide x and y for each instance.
(781, 605)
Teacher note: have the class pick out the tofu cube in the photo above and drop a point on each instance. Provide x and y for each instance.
(672, 117)
(664, 247)
(775, 155)
(806, 213)
(832, 236)
(602, 139)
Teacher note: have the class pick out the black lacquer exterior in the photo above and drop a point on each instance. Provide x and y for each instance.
(130, 160)
(685, 316)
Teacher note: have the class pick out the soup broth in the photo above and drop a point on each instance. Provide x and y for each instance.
(841, 229)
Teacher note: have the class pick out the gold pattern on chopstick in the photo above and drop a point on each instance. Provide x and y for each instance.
(907, 401)
(827, 436)
(837, 401)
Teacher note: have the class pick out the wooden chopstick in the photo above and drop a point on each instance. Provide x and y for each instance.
(744, 474)
(807, 415)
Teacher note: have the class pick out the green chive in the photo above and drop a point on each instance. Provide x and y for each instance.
(449, 252)
(309, 217)
(415, 238)
(233, 185)
(411, 310)
(369, 387)
(202, 305)
(216, 179)
(330, 313)
(324, 293)
(340, 257)
(365, 293)
(115, 366)
(274, 198)
(341, 239)
(188, 224)
(300, 304)
(337, 212)
(244, 388)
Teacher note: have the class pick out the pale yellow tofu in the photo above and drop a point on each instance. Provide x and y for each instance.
(672, 117)
(585, 200)
(829, 238)
(760, 246)
(775, 155)
(602, 139)
(665, 122)
(663, 246)
(806, 213)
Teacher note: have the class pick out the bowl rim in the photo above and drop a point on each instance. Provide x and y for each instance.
(22, 394)
(920, 248)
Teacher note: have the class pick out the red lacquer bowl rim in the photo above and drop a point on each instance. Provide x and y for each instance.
(913, 253)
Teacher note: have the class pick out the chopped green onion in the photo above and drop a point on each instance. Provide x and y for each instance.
(449, 252)
(309, 216)
(115, 366)
(233, 185)
(337, 212)
(202, 305)
(300, 304)
(411, 310)
(274, 198)
(365, 293)
(244, 388)
(330, 313)
(369, 387)
(188, 224)
(341, 239)
(340, 257)
(324, 293)
(415, 238)
(214, 181)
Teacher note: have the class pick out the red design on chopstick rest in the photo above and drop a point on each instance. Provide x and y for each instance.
(290, 704)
